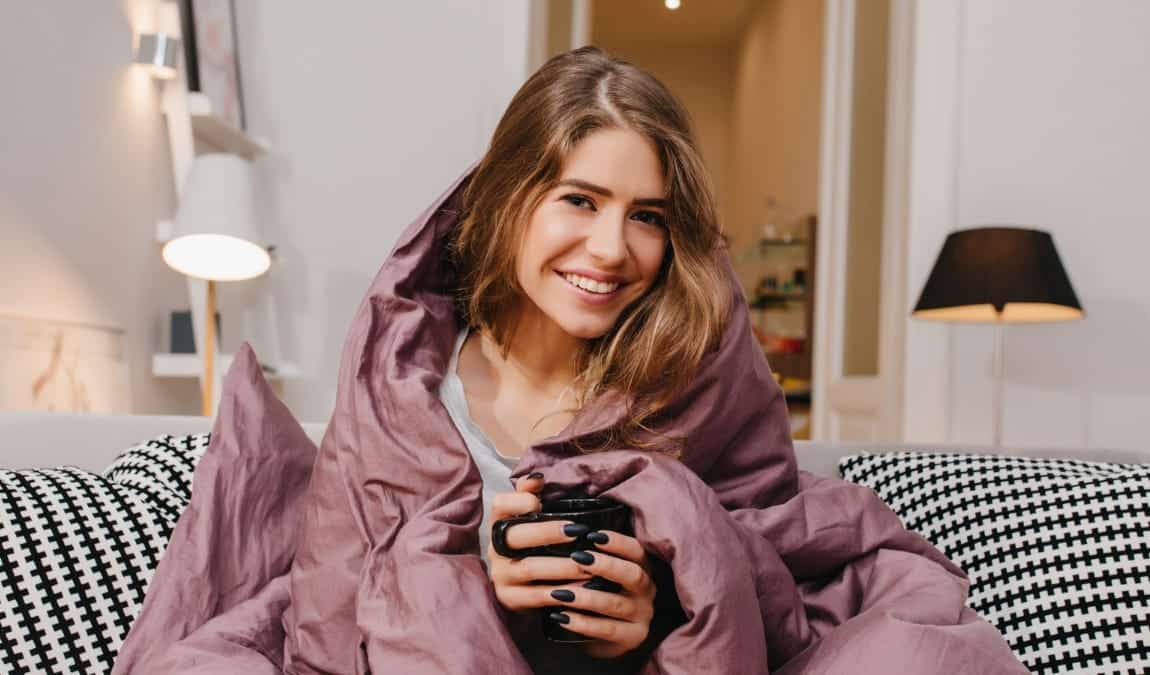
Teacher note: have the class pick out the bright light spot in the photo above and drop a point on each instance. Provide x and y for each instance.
(672, 4)
(217, 257)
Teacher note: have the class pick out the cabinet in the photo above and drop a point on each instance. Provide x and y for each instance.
(778, 273)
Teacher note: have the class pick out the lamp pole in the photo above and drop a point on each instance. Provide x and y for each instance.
(998, 375)
(209, 350)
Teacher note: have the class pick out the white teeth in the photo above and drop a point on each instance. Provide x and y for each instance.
(590, 284)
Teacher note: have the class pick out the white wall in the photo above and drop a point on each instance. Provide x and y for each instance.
(84, 175)
(371, 108)
(1036, 113)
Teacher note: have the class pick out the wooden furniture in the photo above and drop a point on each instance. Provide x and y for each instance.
(781, 302)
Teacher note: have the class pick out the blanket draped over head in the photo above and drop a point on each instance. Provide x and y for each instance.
(772, 570)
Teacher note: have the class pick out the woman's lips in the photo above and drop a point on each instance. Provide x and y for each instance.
(588, 296)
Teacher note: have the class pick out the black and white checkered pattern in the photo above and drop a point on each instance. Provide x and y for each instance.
(77, 550)
(1058, 551)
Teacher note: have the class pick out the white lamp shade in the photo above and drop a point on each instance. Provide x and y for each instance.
(214, 231)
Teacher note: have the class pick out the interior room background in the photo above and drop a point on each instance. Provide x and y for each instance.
(1040, 105)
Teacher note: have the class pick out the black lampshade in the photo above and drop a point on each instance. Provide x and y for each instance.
(988, 274)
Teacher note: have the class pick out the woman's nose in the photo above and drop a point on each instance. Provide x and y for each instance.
(606, 240)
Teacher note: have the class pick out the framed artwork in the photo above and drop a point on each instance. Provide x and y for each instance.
(58, 365)
(211, 55)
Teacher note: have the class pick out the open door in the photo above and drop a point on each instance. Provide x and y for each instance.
(860, 313)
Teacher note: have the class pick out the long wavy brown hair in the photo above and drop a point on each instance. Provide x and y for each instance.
(657, 343)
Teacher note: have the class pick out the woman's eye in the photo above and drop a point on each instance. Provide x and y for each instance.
(578, 200)
(649, 217)
(652, 218)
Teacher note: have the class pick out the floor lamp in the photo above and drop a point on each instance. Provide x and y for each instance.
(213, 240)
(998, 275)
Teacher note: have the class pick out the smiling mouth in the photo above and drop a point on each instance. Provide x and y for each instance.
(617, 286)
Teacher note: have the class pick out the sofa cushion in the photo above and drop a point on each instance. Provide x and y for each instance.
(78, 548)
(1058, 551)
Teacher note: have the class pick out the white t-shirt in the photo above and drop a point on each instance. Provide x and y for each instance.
(493, 467)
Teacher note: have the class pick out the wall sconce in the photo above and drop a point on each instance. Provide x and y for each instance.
(158, 53)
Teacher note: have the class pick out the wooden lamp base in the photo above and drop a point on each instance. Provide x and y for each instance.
(209, 351)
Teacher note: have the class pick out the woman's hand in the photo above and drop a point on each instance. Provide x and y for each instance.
(514, 578)
(626, 614)
(618, 564)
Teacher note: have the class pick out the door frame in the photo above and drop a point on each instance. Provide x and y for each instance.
(879, 400)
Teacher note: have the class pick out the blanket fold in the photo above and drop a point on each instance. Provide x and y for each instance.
(775, 570)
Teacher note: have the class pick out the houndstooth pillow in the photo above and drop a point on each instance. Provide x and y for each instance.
(1058, 551)
(77, 550)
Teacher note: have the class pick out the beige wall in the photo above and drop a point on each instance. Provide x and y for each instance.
(559, 22)
(84, 176)
(776, 106)
(775, 124)
(868, 149)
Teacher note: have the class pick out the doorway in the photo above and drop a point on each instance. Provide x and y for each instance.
(788, 99)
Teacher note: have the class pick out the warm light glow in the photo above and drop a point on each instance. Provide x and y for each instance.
(158, 72)
(216, 257)
(672, 4)
(1013, 312)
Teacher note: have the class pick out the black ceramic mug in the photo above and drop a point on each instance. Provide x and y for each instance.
(597, 513)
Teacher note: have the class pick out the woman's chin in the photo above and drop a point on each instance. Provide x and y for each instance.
(585, 328)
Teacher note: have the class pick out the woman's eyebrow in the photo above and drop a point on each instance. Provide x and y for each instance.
(591, 187)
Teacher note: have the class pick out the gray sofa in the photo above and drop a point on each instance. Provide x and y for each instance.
(1059, 556)
(43, 439)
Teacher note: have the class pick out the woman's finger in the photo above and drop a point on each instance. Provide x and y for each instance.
(619, 545)
(614, 605)
(538, 568)
(530, 483)
(544, 533)
(600, 627)
(629, 574)
(511, 504)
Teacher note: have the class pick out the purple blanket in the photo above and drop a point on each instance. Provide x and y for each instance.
(374, 565)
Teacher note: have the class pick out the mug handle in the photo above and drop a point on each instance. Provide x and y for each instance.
(499, 536)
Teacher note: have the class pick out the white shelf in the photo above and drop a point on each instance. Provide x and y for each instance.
(188, 365)
(219, 134)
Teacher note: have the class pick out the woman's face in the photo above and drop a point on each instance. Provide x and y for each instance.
(595, 244)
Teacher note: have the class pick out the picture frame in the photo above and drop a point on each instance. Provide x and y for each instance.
(211, 55)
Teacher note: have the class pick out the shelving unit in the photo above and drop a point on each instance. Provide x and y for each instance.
(217, 134)
(778, 257)
(188, 365)
(770, 300)
(194, 129)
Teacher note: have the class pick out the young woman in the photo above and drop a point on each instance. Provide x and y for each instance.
(585, 263)
(566, 310)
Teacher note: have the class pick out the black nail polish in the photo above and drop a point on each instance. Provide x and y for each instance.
(583, 558)
(597, 538)
(535, 475)
(562, 595)
(559, 617)
(601, 584)
(575, 529)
